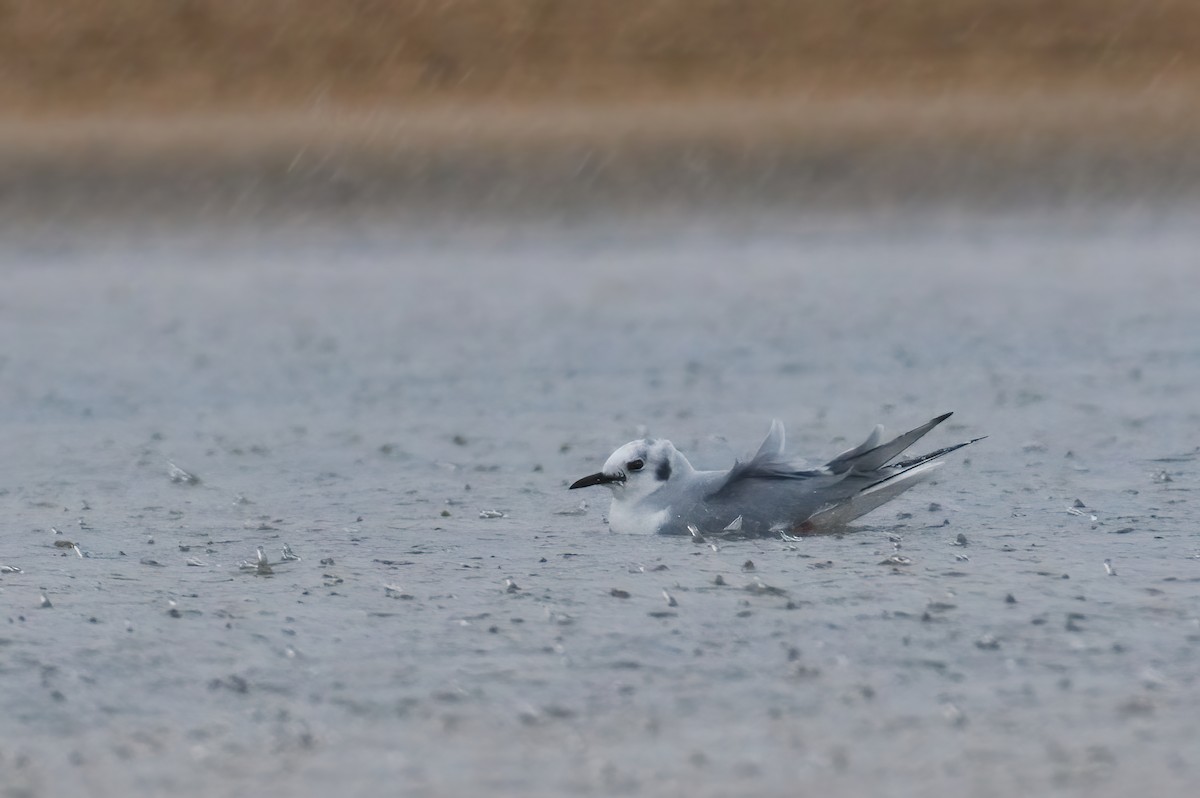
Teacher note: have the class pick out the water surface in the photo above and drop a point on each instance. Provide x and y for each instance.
(363, 395)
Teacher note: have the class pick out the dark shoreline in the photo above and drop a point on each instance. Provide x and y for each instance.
(990, 151)
(569, 181)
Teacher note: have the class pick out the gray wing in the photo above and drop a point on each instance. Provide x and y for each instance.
(768, 489)
(761, 497)
(751, 496)
(871, 456)
(769, 463)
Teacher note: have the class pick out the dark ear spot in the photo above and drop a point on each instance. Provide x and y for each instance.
(663, 472)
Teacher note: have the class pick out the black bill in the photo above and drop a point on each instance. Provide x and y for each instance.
(599, 478)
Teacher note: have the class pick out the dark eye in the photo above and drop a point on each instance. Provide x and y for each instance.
(635, 465)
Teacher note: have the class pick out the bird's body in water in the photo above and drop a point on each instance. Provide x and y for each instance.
(656, 490)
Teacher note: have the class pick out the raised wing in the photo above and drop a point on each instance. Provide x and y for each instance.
(769, 492)
(871, 455)
(772, 445)
(768, 463)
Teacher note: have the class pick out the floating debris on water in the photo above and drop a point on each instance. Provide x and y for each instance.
(953, 715)
(174, 611)
(1074, 510)
(181, 477)
(233, 683)
(490, 514)
(288, 554)
(1162, 476)
(617, 592)
(580, 509)
(63, 544)
(195, 563)
(261, 566)
(759, 588)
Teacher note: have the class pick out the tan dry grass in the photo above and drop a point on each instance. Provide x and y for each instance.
(277, 107)
(96, 55)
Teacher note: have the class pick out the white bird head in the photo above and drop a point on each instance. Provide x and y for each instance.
(637, 469)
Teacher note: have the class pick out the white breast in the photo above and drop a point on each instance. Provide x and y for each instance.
(625, 518)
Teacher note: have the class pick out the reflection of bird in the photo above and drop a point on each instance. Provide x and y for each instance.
(656, 490)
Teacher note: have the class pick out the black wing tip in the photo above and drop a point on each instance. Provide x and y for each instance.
(925, 458)
(942, 417)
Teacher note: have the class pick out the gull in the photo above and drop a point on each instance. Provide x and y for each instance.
(656, 490)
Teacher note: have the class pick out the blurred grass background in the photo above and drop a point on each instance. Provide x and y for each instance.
(73, 55)
(553, 103)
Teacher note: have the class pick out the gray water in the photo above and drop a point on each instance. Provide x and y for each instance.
(362, 396)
